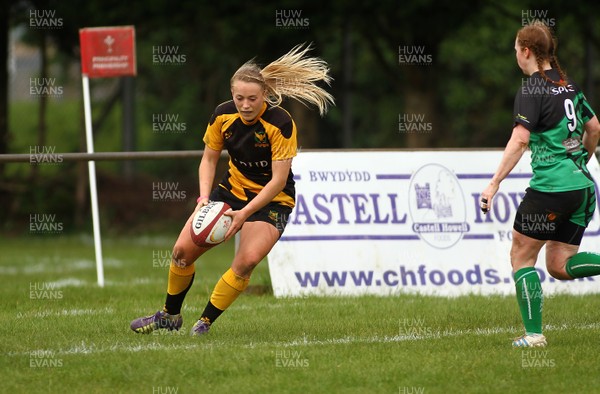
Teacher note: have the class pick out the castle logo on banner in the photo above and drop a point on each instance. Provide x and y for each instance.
(437, 206)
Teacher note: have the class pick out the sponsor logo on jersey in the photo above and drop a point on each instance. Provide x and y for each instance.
(260, 139)
(572, 145)
(522, 117)
(562, 89)
(250, 164)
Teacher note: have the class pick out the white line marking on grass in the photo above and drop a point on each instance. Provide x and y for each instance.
(9, 270)
(135, 282)
(84, 348)
(207, 345)
(412, 338)
(119, 347)
(66, 312)
(55, 264)
(244, 307)
(241, 307)
(75, 282)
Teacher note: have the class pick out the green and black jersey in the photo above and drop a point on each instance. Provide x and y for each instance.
(555, 116)
(252, 148)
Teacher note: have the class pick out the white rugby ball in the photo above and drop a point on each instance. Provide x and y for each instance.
(209, 225)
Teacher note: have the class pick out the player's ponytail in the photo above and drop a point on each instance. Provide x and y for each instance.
(539, 39)
(292, 75)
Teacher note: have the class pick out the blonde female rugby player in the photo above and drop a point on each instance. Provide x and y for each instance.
(260, 138)
(553, 118)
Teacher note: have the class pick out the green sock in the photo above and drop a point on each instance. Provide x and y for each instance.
(530, 299)
(583, 264)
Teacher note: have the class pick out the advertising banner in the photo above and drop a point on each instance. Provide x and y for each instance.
(392, 222)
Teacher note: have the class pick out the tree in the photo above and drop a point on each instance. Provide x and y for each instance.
(4, 28)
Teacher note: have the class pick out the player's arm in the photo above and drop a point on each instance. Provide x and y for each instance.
(206, 173)
(591, 135)
(513, 152)
(281, 171)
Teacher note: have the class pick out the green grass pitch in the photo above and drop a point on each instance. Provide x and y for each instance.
(63, 334)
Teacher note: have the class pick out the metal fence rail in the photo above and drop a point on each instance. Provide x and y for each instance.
(170, 154)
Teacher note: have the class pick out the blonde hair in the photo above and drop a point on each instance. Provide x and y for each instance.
(292, 75)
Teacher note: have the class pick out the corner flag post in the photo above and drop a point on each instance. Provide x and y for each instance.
(105, 52)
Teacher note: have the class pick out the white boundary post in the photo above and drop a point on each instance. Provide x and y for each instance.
(87, 108)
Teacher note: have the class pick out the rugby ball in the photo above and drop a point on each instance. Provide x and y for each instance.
(209, 225)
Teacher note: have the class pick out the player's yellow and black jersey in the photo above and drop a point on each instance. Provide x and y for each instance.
(252, 149)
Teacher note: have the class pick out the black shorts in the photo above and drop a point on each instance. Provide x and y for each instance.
(272, 213)
(561, 216)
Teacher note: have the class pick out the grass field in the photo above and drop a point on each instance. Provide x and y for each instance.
(63, 334)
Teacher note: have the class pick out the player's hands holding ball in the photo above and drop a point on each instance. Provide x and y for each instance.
(215, 222)
(210, 223)
(237, 220)
(202, 201)
(485, 200)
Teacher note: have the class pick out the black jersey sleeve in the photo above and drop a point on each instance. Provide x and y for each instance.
(527, 110)
(213, 136)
